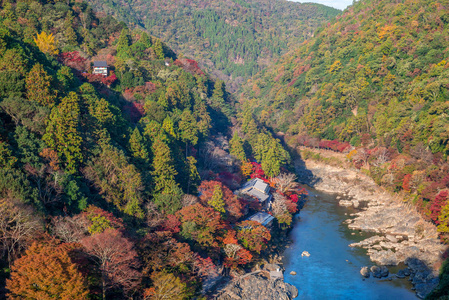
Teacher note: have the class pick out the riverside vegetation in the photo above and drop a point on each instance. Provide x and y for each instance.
(120, 186)
(373, 83)
(399, 233)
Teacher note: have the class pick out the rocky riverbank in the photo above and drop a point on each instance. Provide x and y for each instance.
(258, 286)
(402, 236)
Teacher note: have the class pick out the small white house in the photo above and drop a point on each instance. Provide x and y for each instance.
(100, 68)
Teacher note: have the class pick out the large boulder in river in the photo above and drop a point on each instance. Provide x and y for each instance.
(255, 287)
(376, 271)
(365, 272)
(380, 272)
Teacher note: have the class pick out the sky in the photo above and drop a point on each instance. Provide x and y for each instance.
(340, 4)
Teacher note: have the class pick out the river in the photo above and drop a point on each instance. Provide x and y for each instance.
(333, 269)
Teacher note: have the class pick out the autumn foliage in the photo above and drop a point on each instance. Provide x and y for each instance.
(46, 272)
(46, 43)
(253, 235)
(232, 204)
(116, 258)
(202, 224)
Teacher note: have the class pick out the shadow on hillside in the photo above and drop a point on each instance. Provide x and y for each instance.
(305, 176)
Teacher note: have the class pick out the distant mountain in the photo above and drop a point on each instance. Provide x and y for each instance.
(232, 39)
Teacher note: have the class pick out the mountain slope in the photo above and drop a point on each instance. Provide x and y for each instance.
(119, 185)
(380, 69)
(230, 39)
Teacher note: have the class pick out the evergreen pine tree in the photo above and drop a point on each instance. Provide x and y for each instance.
(217, 201)
(159, 49)
(194, 176)
(69, 32)
(236, 147)
(124, 41)
(164, 171)
(62, 133)
(145, 40)
(137, 146)
(38, 85)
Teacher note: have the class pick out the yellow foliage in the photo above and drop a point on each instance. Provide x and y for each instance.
(351, 154)
(335, 66)
(264, 116)
(246, 168)
(386, 31)
(46, 43)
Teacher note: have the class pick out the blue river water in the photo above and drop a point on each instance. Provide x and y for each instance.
(333, 269)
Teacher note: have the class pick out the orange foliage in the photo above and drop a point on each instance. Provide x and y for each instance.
(46, 272)
(208, 224)
(52, 157)
(246, 168)
(230, 237)
(253, 235)
(386, 31)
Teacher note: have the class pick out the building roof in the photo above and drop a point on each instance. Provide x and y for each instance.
(100, 63)
(257, 188)
(261, 217)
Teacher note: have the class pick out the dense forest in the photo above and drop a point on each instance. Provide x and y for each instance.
(374, 84)
(119, 186)
(231, 39)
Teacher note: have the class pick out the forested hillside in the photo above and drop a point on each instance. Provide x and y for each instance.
(374, 82)
(119, 186)
(380, 69)
(231, 39)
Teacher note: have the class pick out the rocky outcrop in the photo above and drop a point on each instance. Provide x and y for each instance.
(365, 272)
(255, 287)
(402, 235)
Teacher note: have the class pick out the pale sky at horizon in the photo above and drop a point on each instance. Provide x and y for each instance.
(340, 4)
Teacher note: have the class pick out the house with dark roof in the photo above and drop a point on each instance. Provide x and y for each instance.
(263, 218)
(257, 189)
(100, 68)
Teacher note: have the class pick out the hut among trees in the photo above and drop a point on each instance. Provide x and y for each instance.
(100, 68)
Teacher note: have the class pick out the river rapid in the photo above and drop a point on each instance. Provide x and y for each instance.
(333, 269)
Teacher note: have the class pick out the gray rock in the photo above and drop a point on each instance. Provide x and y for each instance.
(402, 274)
(292, 273)
(345, 203)
(376, 271)
(384, 271)
(256, 287)
(392, 239)
(365, 272)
